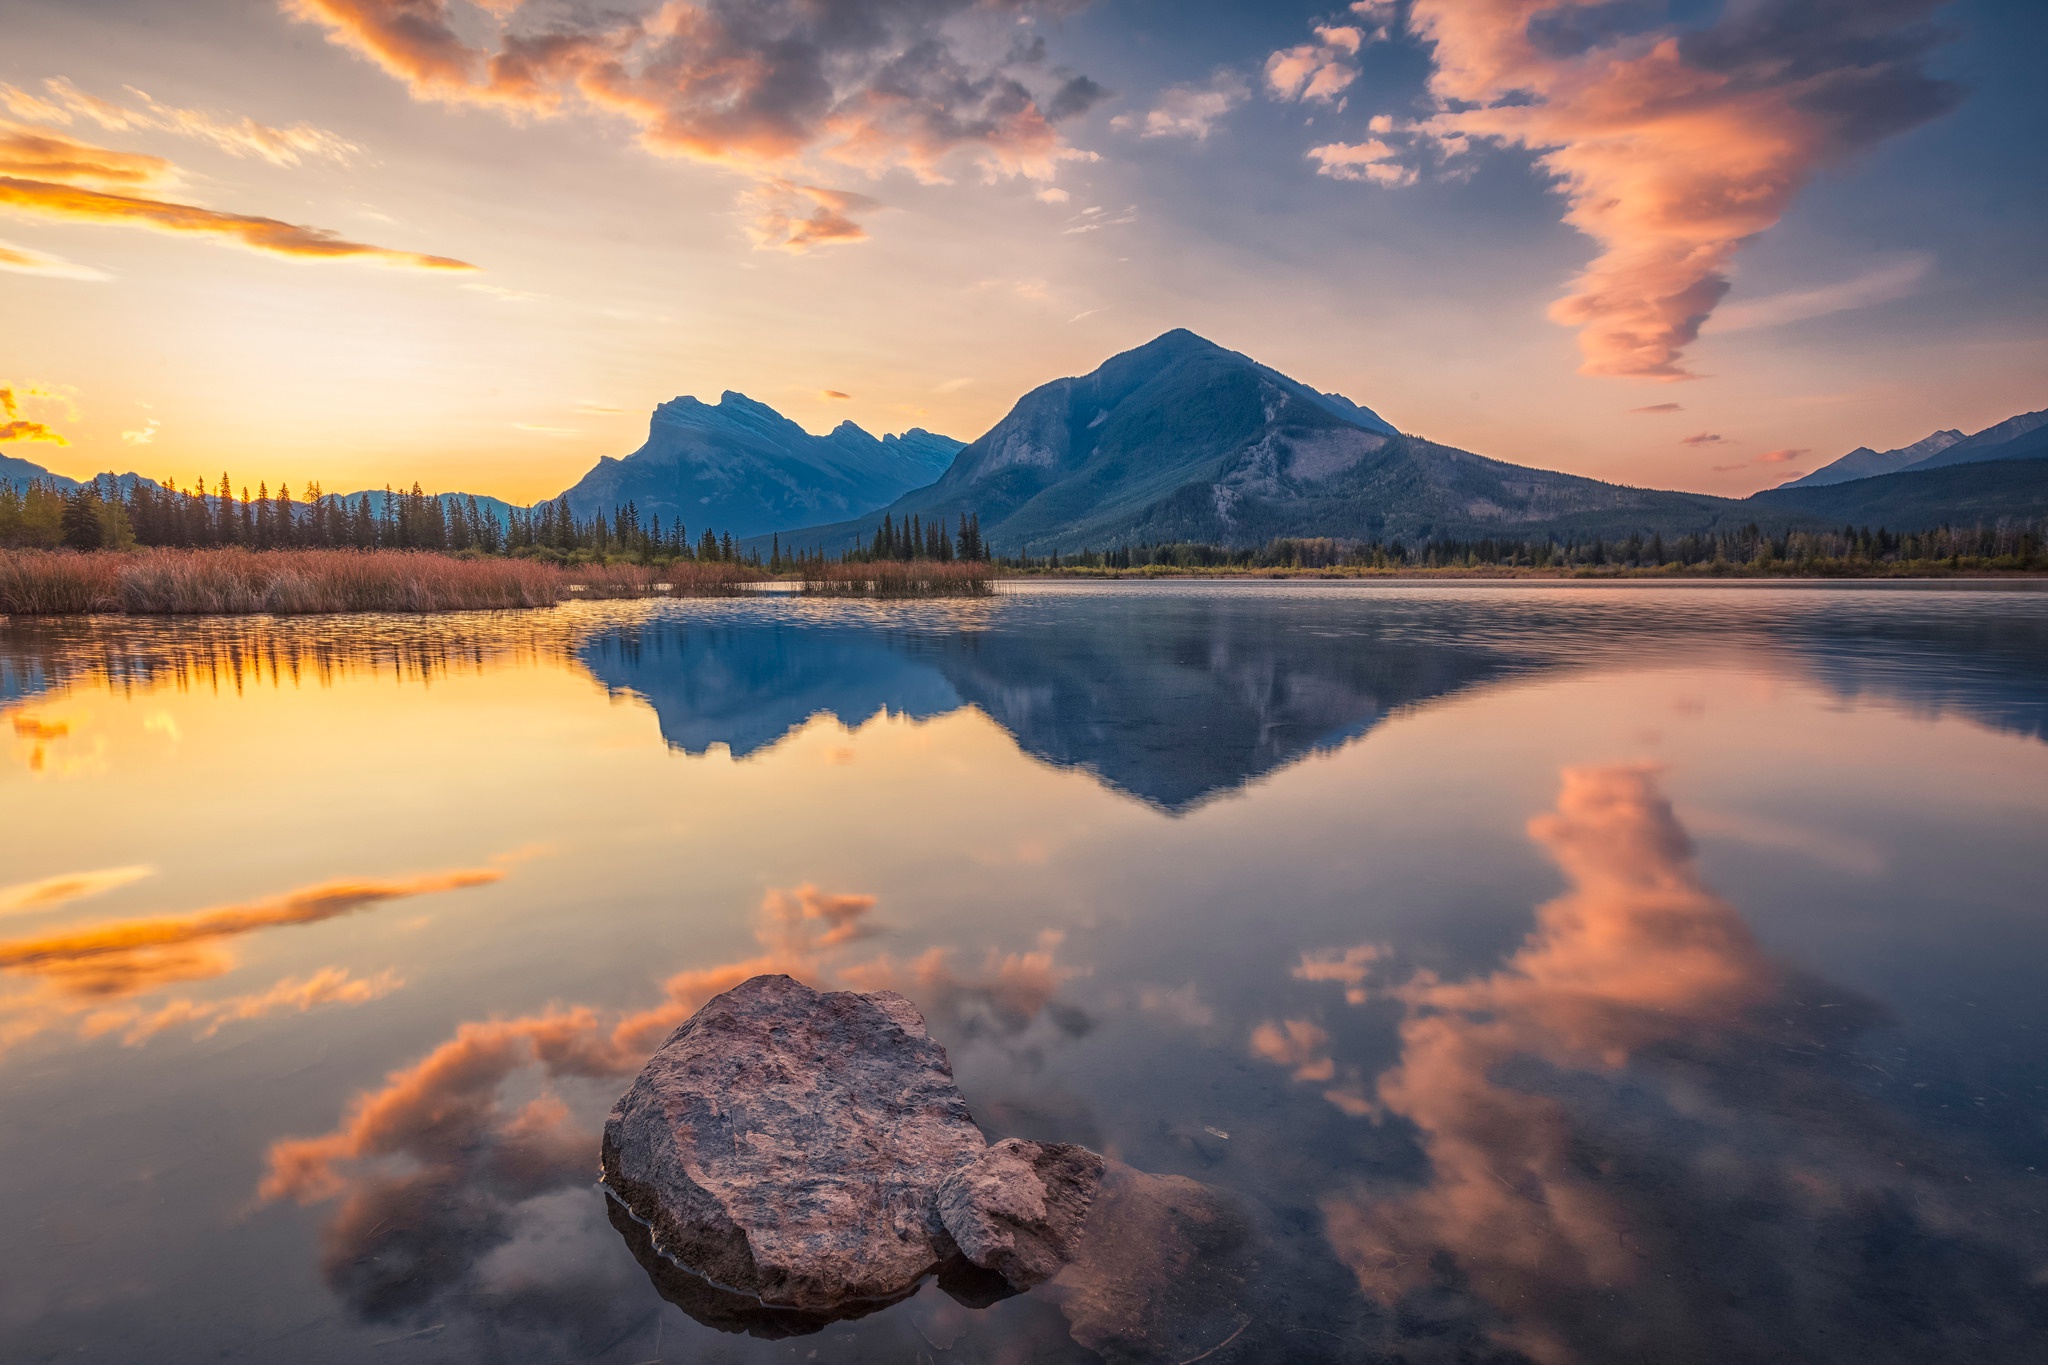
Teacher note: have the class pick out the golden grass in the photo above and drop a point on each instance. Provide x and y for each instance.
(897, 578)
(291, 582)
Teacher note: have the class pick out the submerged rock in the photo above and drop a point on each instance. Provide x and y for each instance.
(1163, 1270)
(787, 1144)
(1018, 1208)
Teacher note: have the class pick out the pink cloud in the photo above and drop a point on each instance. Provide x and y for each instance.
(1672, 147)
(771, 91)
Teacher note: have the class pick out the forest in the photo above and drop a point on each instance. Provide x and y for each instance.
(129, 514)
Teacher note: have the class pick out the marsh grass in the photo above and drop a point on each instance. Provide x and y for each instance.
(900, 578)
(684, 578)
(289, 582)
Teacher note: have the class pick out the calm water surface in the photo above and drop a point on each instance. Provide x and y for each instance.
(1542, 975)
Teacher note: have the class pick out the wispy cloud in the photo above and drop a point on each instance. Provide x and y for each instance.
(1704, 438)
(241, 136)
(51, 176)
(22, 260)
(1879, 285)
(1659, 407)
(1372, 159)
(49, 893)
(1190, 111)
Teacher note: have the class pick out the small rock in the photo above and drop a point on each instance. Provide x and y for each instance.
(1018, 1208)
(787, 1143)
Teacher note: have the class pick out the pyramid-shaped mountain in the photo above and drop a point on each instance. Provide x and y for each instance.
(743, 467)
(1183, 440)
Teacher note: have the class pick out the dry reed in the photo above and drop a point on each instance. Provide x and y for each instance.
(234, 582)
(899, 578)
(685, 578)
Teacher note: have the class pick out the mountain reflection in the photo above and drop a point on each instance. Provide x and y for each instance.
(1170, 706)
(1171, 696)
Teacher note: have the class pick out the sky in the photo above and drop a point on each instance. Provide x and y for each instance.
(1701, 244)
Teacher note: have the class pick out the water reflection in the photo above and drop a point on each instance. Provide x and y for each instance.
(85, 974)
(1640, 1102)
(1772, 1098)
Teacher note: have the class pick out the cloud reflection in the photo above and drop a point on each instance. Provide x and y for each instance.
(1641, 1101)
(84, 975)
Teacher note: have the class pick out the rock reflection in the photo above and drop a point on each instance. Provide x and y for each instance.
(721, 1309)
(1641, 1102)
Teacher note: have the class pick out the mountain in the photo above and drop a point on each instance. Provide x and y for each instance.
(743, 467)
(1967, 494)
(496, 508)
(1181, 439)
(22, 473)
(2024, 437)
(1864, 463)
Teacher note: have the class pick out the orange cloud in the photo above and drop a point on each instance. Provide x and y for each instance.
(1671, 147)
(237, 136)
(125, 957)
(26, 261)
(49, 156)
(791, 217)
(762, 90)
(28, 898)
(50, 176)
(1782, 456)
(260, 234)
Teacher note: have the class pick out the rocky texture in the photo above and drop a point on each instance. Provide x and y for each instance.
(1163, 1270)
(1019, 1207)
(786, 1144)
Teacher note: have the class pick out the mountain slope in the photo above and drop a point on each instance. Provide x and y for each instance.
(1181, 439)
(497, 509)
(1865, 463)
(1968, 494)
(743, 467)
(2024, 437)
(22, 473)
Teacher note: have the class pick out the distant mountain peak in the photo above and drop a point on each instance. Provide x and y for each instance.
(740, 465)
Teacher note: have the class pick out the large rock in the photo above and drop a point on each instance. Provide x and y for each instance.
(1018, 1208)
(787, 1144)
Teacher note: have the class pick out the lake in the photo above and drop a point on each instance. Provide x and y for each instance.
(1535, 973)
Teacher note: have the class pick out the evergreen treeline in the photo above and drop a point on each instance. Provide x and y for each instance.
(915, 538)
(105, 515)
(1851, 549)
